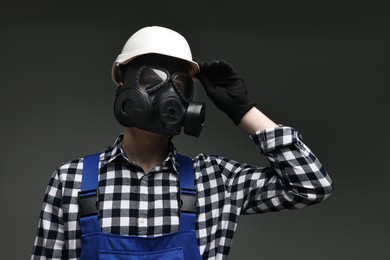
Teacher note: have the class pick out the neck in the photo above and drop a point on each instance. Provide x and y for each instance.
(145, 148)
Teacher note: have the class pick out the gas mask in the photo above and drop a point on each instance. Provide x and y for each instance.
(155, 100)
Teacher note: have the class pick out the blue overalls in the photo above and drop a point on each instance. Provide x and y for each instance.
(99, 245)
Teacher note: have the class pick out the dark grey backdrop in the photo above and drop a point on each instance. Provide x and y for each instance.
(314, 65)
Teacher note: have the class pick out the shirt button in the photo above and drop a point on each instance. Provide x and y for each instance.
(142, 221)
(144, 182)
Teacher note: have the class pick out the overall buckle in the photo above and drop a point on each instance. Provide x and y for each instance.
(88, 203)
(187, 200)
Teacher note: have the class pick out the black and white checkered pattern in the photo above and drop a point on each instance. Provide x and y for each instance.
(132, 203)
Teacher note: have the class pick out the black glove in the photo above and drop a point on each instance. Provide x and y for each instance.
(225, 88)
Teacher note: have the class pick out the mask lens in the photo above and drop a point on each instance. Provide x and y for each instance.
(184, 85)
(151, 78)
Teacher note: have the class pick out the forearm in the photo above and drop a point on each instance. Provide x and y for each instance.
(295, 178)
(254, 120)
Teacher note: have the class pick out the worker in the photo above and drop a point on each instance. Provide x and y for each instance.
(141, 198)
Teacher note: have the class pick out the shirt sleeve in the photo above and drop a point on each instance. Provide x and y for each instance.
(49, 240)
(294, 179)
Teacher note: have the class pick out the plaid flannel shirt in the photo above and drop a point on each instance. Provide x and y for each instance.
(132, 203)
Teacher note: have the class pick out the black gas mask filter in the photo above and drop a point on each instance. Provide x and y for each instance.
(155, 100)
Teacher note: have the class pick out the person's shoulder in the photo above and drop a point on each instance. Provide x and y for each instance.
(69, 173)
(205, 157)
(205, 160)
(72, 164)
(68, 170)
(221, 162)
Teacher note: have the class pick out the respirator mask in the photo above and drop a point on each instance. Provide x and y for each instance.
(156, 100)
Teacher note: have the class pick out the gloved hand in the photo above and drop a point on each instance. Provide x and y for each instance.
(225, 88)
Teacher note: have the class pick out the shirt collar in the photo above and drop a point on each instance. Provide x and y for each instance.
(115, 151)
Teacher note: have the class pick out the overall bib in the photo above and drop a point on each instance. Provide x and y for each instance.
(99, 245)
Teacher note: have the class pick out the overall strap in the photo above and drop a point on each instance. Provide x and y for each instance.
(187, 194)
(90, 172)
(88, 196)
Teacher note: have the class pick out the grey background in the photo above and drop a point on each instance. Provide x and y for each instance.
(318, 66)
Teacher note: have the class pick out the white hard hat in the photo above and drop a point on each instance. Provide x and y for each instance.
(154, 39)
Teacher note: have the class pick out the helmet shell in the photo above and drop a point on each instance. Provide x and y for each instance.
(157, 40)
